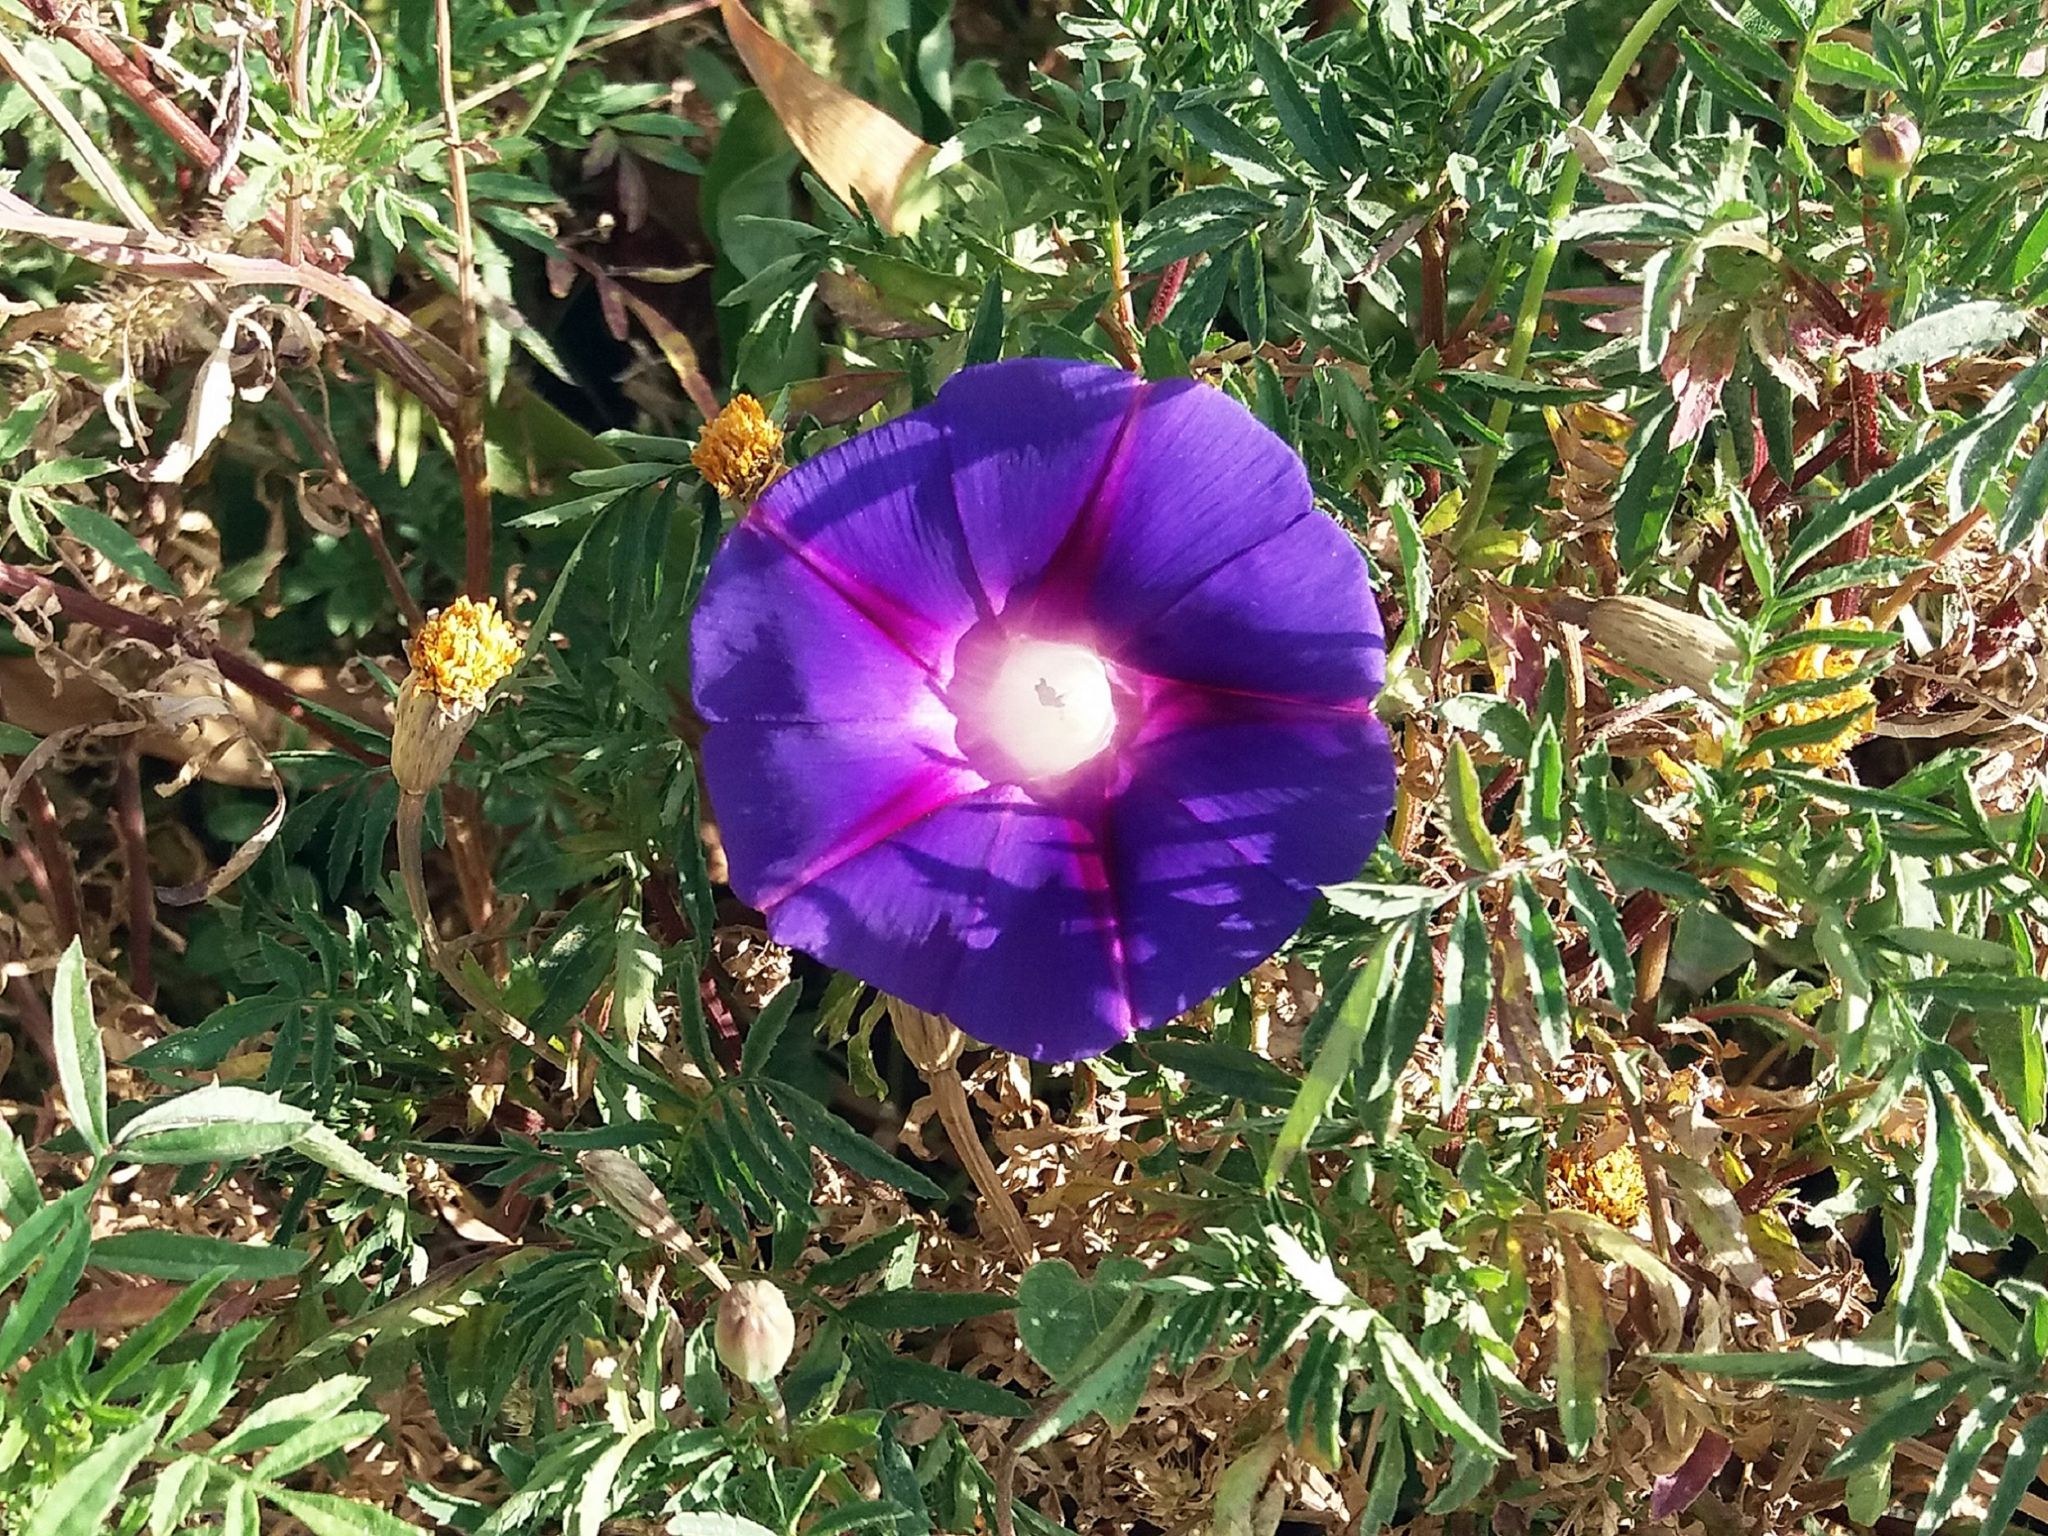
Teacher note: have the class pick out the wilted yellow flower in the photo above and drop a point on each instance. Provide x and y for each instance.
(740, 453)
(463, 651)
(1610, 1186)
(1857, 705)
(460, 654)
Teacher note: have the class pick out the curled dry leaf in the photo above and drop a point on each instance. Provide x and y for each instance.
(857, 149)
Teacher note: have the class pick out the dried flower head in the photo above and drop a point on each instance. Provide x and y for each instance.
(1610, 1186)
(740, 453)
(1855, 706)
(463, 651)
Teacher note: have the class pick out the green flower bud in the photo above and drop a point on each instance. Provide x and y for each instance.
(1890, 147)
(755, 1331)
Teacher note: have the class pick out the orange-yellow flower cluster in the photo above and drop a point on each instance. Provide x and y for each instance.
(740, 453)
(1610, 1186)
(462, 652)
(1856, 705)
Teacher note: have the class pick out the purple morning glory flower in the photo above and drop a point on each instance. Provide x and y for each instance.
(1046, 707)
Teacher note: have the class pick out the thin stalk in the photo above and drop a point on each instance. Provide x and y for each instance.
(132, 830)
(294, 208)
(547, 68)
(467, 431)
(1546, 253)
(413, 874)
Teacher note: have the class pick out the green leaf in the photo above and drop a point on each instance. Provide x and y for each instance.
(1818, 123)
(1298, 117)
(329, 1514)
(331, 1152)
(985, 335)
(1650, 482)
(1604, 935)
(178, 1490)
(894, 1310)
(2020, 518)
(63, 471)
(143, 1345)
(81, 1058)
(274, 1421)
(1937, 1206)
(1111, 1389)
(1999, 427)
(192, 1256)
(19, 425)
(1536, 935)
(714, 1525)
(836, 1139)
(1423, 1387)
(1826, 524)
(50, 1287)
(1467, 998)
(216, 1124)
(115, 542)
(1971, 326)
(1965, 1458)
(79, 1502)
(894, 1379)
(1836, 63)
(20, 1193)
(767, 1029)
(318, 1438)
(1334, 1058)
(1061, 1317)
(1543, 791)
(1193, 222)
(1911, 1416)
(2022, 1460)
(1468, 828)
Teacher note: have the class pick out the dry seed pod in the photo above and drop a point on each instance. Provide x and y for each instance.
(755, 1331)
(1685, 648)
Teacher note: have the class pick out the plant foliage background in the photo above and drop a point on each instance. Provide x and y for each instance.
(1652, 1134)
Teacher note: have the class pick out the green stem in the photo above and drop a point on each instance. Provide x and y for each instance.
(1545, 257)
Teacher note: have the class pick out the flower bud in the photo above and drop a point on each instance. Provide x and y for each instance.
(755, 1331)
(1890, 146)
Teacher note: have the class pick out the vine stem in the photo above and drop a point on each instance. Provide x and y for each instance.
(1545, 257)
(467, 430)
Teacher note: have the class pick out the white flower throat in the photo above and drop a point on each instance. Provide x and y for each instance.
(1048, 707)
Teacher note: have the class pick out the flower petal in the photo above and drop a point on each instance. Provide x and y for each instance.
(1197, 481)
(1291, 618)
(993, 911)
(774, 640)
(797, 800)
(1031, 440)
(874, 517)
(1222, 834)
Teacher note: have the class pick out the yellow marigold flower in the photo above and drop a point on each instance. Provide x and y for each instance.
(1856, 705)
(1610, 1186)
(463, 651)
(740, 453)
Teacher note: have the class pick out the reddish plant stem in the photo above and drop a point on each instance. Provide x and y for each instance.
(58, 885)
(133, 831)
(1435, 282)
(135, 82)
(20, 581)
(1865, 450)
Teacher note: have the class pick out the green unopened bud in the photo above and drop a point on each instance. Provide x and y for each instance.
(1890, 146)
(755, 1331)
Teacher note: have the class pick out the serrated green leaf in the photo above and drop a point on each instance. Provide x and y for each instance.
(1467, 998)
